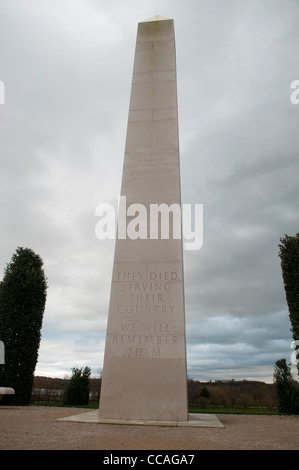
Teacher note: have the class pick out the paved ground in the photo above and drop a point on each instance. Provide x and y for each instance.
(37, 428)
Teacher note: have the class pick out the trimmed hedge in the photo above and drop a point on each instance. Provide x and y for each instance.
(289, 255)
(22, 303)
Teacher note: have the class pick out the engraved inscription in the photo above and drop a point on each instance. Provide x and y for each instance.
(145, 328)
(145, 293)
(142, 276)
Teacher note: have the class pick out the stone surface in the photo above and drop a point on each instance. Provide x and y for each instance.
(197, 420)
(38, 428)
(144, 371)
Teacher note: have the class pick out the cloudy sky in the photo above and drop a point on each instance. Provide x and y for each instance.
(66, 66)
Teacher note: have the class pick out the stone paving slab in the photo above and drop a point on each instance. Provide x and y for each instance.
(194, 420)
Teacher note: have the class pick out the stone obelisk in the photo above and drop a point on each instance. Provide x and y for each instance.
(144, 370)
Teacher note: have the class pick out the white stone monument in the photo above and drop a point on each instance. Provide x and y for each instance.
(144, 371)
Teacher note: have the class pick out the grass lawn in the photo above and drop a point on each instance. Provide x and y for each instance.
(238, 411)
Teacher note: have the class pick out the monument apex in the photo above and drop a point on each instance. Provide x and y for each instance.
(156, 18)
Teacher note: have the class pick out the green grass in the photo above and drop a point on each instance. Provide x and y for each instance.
(192, 409)
(238, 411)
(60, 404)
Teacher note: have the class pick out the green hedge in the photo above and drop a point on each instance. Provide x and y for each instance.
(22, 303)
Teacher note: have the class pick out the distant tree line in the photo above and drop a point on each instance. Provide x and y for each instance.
(231, 394)
(281, 395)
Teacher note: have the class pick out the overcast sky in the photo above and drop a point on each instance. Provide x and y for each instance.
(67, 66)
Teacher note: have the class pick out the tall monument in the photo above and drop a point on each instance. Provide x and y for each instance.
(144, 371)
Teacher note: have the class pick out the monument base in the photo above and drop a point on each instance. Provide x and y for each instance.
(194, 420)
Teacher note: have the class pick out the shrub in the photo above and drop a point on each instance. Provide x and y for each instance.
(77, 390)
(286, 388)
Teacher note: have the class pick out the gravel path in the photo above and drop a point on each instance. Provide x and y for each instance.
(37, 428)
